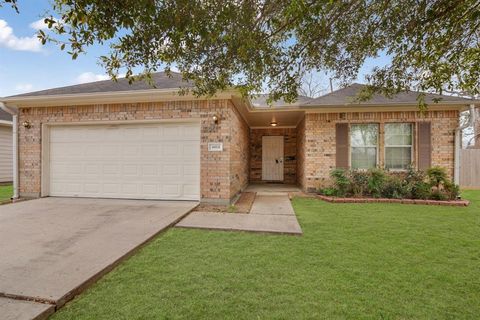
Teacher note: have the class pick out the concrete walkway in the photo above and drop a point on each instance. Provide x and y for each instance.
(24, 310)
(51, 249)
(271, 212)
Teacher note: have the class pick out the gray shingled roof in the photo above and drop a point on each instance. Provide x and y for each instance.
(260, 101)
(161, 80)
(5, 116)
(341, 97)
(347, 95)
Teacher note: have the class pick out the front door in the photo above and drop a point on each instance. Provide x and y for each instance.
(272, 158)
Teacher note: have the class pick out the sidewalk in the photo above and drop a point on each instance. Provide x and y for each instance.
(271, 213)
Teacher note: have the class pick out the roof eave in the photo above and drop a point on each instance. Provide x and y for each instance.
(136, 96)
(383, 107)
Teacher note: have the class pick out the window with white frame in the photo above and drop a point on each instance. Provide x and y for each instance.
(398, 146)
(363, 146)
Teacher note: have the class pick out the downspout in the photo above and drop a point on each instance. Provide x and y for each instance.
(14, 114)
(458, 142)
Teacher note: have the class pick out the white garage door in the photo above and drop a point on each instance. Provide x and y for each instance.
(141, 161)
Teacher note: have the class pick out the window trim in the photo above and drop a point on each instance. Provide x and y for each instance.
(412, 149)
(377, 147)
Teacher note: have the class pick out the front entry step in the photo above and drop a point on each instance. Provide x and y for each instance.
(272, 205)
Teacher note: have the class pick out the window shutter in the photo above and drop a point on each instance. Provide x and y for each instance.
(341, 142)
(424, 145)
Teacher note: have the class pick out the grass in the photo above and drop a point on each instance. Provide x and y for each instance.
(354, 261)
(6, 192)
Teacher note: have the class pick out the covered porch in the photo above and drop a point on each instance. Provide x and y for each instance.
(275, 147)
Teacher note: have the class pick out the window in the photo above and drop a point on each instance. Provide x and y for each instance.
(398, 146)
(364, 143)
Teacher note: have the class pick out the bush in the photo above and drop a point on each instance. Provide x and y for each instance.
(420, 190)
(329, 192)
(417, 187)
(437, 176)
(434, 184)
(438, 195)
(359, 182)
(394, 188)
(452, 191)
(376, 182)
(340, 181)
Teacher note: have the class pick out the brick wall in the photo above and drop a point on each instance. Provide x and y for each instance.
(290, 152)
(301, 179)
(239, 152)
(320, 139)
(218, 183)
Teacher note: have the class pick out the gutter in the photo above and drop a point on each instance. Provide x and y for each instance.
(458, 142)
(14, 113)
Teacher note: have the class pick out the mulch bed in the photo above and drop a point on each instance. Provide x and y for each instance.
(242, 205)
(456, 203)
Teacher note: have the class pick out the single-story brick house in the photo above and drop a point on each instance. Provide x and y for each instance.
(115, 140)
(6, 155)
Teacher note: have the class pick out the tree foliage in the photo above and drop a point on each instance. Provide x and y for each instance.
(270, 45)
(12, 3)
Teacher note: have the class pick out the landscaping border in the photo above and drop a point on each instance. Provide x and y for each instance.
(454, 203)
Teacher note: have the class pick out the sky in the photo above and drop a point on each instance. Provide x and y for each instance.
(26, 65)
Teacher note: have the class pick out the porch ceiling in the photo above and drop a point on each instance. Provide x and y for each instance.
(283, 118)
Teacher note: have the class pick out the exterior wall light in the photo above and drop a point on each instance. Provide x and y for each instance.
(26, 124)
(273, 123)
(215, 119)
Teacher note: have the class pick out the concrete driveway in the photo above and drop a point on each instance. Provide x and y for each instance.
(53, 248)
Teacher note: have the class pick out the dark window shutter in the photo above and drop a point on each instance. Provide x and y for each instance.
(341, 142)
(424, 145)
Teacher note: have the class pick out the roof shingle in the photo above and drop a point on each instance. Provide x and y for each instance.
(347, 95)
(161, 80)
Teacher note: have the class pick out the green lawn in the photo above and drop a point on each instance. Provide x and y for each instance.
(370, 261)
(6, 192)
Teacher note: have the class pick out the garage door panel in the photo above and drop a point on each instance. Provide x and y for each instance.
(171, 170)
(191, 133)
(130, 151)
(145, 161)
(191, 191)
(172, 190)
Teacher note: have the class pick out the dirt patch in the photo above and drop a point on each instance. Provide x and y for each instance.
(242, 205)
(245, 202)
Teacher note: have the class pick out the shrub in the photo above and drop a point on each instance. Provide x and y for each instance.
(359, 182)
(329, 191)
(413, 184)
(376, 182)
(394, 188)
(420, 190)
(417, 187)
(437, 176)
(438, 195)
(341, 182)
(452, 191)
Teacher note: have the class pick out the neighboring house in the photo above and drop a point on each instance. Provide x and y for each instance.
(6, 154)
(115, 140)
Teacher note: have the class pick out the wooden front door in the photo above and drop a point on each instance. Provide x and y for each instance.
(272, 158)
